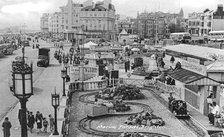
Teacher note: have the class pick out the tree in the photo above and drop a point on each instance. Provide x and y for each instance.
(175, 28)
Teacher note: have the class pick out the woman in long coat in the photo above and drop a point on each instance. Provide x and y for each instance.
(31, 121)
(39, 118)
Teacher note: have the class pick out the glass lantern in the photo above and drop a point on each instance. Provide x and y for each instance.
(55, 99)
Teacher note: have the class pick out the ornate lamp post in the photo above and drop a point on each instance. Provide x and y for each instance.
(55, 103)
(22, 88)
(66, 67)
(63, 76)
(99, 56)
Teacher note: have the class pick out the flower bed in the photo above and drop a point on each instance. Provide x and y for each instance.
(125, 92)
(117, 105)
(18, 66)
(145, 119)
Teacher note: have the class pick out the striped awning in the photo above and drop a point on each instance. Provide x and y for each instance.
(191, 78)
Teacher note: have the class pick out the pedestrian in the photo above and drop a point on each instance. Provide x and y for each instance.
(39, 118)
(45, 124)
(214, 113)
(51, 119)
(6, 127)
(31, 121)
(20, 116)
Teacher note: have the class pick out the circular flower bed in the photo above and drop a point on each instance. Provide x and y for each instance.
(117, 105)
(145, 119)
(125, 92)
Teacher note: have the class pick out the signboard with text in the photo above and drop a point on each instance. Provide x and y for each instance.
(197, 68)
(192, 60)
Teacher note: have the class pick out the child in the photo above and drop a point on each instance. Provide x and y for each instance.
(45, 124)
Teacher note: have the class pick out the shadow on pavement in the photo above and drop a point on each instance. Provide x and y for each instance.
(54, 65)
(37, 90)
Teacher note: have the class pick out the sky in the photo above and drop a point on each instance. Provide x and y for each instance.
(28, 12)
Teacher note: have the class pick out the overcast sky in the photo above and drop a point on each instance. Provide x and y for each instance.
(20, 12)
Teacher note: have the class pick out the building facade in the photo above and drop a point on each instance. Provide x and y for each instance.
(148, 24)
(127, 25)
(194, 23)
(71, 19)
(44, 22)
(98, 20)
(218, 19)
(54, 23)
(206, 22)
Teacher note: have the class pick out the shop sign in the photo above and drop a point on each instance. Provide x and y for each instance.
(193, 67)
(192, 60)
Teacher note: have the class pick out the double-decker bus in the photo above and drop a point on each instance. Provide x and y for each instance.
(180, 36)
(216, 35)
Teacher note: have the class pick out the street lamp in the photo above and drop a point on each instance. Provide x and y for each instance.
(55, 103)
(99, 56)
(66, 67)
(22, 88)
(63, 76)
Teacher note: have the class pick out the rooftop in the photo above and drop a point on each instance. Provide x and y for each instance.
(198, 51)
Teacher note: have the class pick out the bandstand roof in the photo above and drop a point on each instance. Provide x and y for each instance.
(191, 78)
(88, 45)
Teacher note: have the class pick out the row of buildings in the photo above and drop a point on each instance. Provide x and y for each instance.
(200, 24)
(99, 21)
(96, 20)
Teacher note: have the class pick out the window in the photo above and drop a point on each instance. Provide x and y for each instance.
(95, 15)
(209, 24)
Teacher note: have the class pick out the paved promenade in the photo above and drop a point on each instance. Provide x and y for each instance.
(41, 100)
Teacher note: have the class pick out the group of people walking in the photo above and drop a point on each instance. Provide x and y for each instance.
(41, 122)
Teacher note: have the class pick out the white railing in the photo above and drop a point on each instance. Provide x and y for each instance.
(88, 85)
